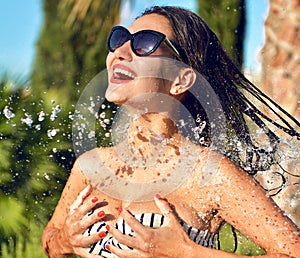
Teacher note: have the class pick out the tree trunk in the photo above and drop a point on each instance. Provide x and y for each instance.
(281, 54)
(280, 79)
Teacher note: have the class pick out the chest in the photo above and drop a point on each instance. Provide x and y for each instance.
(195, 211)
(133, 185)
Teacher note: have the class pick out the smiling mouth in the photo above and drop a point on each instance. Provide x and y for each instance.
(121, 74)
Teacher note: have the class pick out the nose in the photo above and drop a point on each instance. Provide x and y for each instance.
(124, 52)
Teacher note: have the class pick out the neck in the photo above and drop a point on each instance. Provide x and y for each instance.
(152, 124)
(150, 134)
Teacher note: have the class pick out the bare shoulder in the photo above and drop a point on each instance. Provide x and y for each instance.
(93, 154)
(210, 168)
(76, 182)
(93, 161)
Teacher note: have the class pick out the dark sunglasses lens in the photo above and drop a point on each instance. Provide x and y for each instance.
(145, 43)
(117, 38)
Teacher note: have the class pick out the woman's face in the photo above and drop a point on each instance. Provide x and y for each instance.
(131, 77)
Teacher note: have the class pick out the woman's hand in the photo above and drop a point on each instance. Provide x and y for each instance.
(70, 238)
(149, 242)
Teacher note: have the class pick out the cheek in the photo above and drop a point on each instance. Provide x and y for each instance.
(154, 85)
(109, 59)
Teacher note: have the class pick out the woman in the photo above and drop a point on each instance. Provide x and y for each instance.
(88, 222)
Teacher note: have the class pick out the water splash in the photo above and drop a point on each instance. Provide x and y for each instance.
(7, 112)
(54, 113)
(41, 116)
(27, 120)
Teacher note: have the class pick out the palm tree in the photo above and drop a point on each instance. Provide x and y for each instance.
(12, 210)
(280, 55)
(72, 45)
(280, 79)
(227, 19)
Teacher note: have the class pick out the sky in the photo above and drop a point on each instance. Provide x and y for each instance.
(21, 22)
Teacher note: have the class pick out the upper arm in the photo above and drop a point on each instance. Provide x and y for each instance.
(245, 205)
(75, 184)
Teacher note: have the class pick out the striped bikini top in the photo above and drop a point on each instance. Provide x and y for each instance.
(201, 237)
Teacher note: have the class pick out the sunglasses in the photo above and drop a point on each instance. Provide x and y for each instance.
(143, 43)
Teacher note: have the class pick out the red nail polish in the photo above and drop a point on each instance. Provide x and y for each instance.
(101, 214)
(102, 234)
(107, 227)
(95, 199)
(120, 209)
(107, 247)
(157, 196)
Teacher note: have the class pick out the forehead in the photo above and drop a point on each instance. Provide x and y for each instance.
(152, 22)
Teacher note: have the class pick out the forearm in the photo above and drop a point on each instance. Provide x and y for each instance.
(52, 244)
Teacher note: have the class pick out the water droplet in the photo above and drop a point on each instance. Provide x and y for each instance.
(47, 177)
(91, 134)
(41, 116)
(27, 120)
(102, 115)
(54, 113)
(52, 133)
(7, 112)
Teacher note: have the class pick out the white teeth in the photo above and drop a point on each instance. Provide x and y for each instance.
(124, 72)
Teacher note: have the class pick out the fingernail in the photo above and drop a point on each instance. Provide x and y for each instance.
(107, 247)
(95, 199)
(120, 209)
(158, 197)
(107, 227)
(101, 214)
(102, 234)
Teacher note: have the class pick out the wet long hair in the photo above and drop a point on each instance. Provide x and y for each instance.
(200, 49)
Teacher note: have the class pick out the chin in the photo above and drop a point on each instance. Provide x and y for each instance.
(113, 94)
(114, 98)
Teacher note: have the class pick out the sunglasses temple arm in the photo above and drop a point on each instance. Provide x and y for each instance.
(172, 47)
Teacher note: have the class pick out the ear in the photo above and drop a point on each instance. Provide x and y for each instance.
(184, 80)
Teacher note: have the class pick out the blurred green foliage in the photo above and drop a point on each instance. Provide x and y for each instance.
(226, 18)
(31, 175)
(72, 47)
